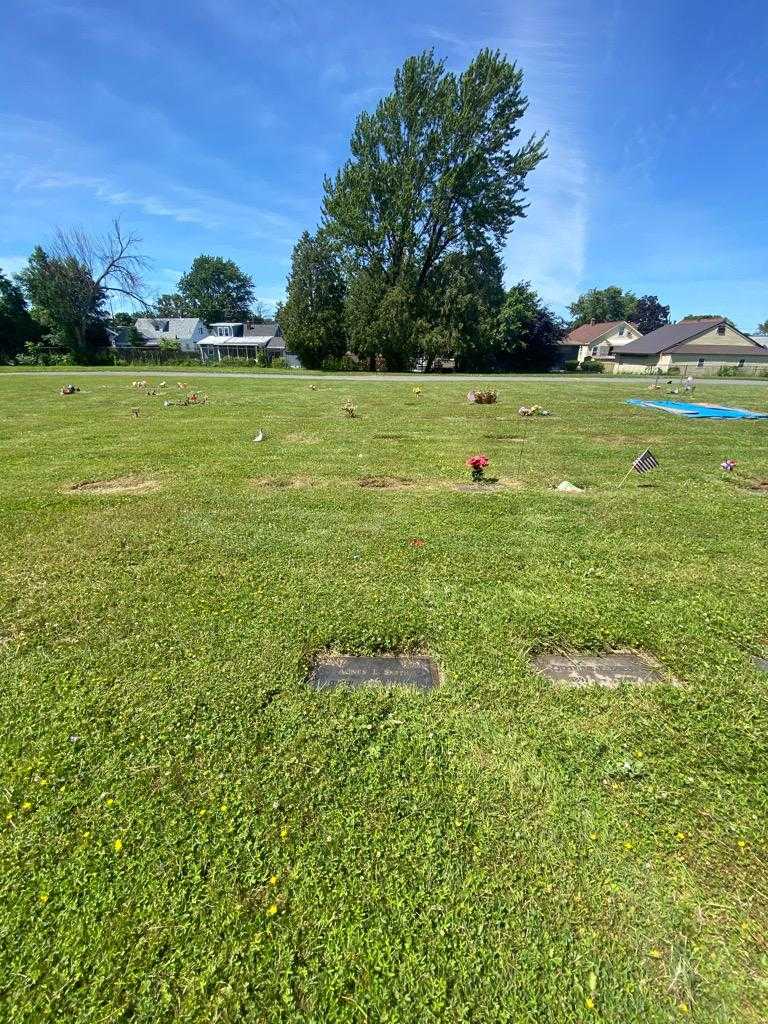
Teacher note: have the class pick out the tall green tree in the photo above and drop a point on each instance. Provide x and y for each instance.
(603, 304)
(213, 289)
(527, 332)
(312, 318)
(649, 314)
(436, 169)
(16, 325)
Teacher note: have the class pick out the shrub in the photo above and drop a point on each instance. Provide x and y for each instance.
(278, 363)
(590, 365)
(340, 364)
(571, 366)
(730, 371)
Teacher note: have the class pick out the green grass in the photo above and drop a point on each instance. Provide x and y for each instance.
(480, 854)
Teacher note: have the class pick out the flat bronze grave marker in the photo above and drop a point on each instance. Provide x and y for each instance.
(415, 672)
(608, 670)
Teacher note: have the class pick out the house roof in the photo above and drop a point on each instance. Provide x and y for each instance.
(588, 333)
(667, 337)
(180, 327)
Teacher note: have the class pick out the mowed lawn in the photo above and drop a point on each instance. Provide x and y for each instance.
(191, 834)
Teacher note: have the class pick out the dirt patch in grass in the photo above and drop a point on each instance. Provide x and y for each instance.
(302, 439)
(392, 483)
(393, 437)
(283, 483)
(503, 437)
(757, 486)
(118, 485)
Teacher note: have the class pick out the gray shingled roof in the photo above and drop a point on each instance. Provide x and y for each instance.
(668, 336)
(181, 327)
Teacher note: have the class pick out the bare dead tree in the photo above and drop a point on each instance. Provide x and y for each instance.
(112, 262)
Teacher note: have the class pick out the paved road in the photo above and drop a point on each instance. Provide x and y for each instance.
(375, 378)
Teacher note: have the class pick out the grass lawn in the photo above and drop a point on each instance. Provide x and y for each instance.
(191, 834)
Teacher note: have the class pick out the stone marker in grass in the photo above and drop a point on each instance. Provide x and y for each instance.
(760, 661)
(608, 670)
(415, 672)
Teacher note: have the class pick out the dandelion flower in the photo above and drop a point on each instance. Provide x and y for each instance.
(271, 911)
(118, 845)
(109, 802)
(742, 843)
(43, 897)
(680, 836)
(26, 806)
(283, 831)
(683, 1008)
(628, 846)
(655, 953)
(593, 835)
(589, 1003)
(273, 880)
(223, 808)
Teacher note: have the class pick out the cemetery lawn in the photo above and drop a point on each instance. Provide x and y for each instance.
(191, 834)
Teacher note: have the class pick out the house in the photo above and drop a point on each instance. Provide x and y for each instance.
(706, 345)
(187, 330)
(242, 340)
(598, 340)
(699, 347)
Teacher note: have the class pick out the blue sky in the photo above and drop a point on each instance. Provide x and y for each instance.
(208, 125)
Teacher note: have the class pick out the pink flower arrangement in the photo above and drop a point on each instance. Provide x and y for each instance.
(477, 464)
(728, 465)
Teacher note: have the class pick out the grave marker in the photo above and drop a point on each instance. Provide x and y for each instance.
(415, 672)
(608, 670)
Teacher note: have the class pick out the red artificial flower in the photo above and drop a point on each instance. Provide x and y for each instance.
(477, 461)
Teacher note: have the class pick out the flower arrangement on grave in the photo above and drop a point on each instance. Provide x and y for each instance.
(350, 409)
(417, 391)
(532, 410)
(728, 465)
(69, 389)
(489, 397)
(477, 464)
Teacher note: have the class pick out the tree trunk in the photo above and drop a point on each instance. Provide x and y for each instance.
(372, 364)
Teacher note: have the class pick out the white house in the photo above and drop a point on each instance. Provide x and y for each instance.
(599, 340)
(242, 340)
(186, 330)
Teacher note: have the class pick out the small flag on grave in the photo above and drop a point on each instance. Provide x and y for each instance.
(645, 462)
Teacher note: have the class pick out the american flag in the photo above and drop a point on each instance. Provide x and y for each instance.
(645, 462)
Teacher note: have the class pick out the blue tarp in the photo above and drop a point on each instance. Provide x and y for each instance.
(691, 409)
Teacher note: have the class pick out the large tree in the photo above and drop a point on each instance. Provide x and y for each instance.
(312, 318)
(527, 332)
(649, 314)
(16, 325)
(69, 285)
(435, 170)
(603, 304)
(213, 289)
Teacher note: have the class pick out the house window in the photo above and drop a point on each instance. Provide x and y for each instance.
(721, 329)
(740, 363)
(594, 351)
(621, 331)
(700, 363)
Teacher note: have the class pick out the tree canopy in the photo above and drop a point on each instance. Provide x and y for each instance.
(527, 332)
(649, 314)
(435, 172)
(213, 289)
(312, 318)
(762, 328)
(602, 305)
(16, 325)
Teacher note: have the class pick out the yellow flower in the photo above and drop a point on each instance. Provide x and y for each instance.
(593, 835)
(628, 846)
(742, 843)
(271, 911)
(273, 880)
(683, 1008)
(26, 806)
(109, 802)
(283, 831)
(589, 1003)
(655, 953)
(639, 753)
(223, 808)
(9, 817)
(118, 845)
(43, 897)
(680, 836)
